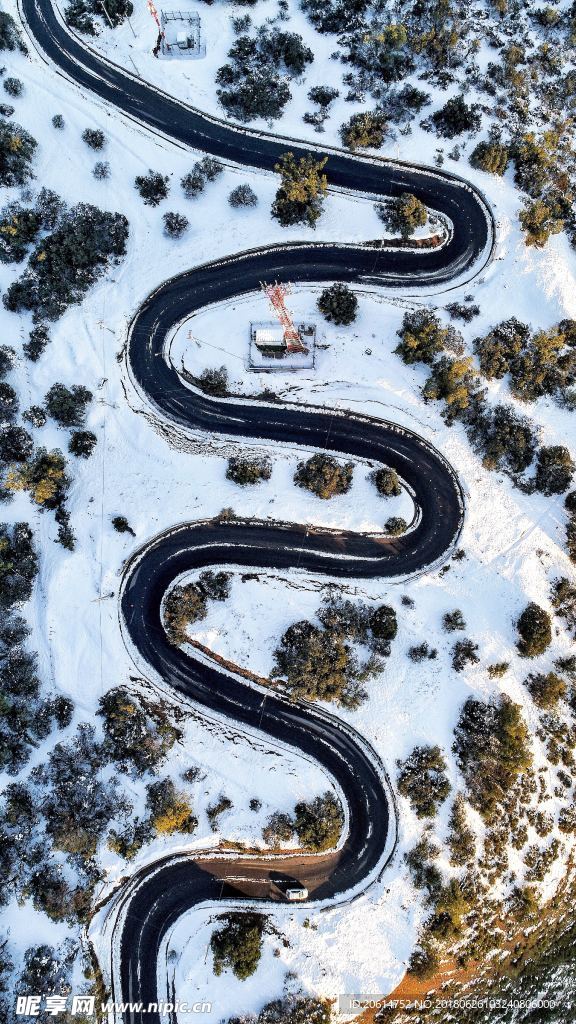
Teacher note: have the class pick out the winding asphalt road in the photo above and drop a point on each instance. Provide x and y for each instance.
(155, 898)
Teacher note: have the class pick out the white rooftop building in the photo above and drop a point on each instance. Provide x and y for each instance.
(268, 349)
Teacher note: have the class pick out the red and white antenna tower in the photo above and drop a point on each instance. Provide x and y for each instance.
(276, 295)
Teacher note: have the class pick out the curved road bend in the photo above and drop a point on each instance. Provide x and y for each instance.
(156, 897)
(457, 200)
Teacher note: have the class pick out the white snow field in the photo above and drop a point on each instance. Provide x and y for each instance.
(513, 542)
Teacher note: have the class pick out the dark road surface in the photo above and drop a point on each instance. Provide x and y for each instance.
(156, 897)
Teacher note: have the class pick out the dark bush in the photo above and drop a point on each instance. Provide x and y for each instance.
(338, 304)
(395, 526)
(17, 148)
(10, 38)
(319, 823)
(238, 944)
(13, 86)
(94, 137)
(153, 187)
(37, 342)
(121, 525)
(500, 347)
(138, 731)
(214, 382)
(16, 445)
(554, 469)
(546, 689)
(242, 195)
(187, 604)
(67, 262)
(464, 652)
(68, 405)
(423, 781)
(323, 95)
(365, 129)
(18, 230)
(461, 840)
(453, 621)
(534, 627)
(175, 224)
(456, 117)
(492, 157)
(492, 748)
(82, 443)
(101, 170)
(387, 483)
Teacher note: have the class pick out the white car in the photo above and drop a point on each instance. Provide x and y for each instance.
(294, 895)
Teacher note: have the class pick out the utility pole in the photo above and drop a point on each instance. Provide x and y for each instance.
(105, 9)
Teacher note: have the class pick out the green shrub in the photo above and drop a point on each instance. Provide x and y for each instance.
(534, 627)
(238, 944)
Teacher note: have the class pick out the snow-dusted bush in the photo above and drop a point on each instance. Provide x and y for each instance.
(16, 151)
(423, 781)
(101, 170)
(364, 130)
(13, 86)
(324, 476)
(242, 195)
(214, 381)
(456, 117)
(67, 262)
(244, 470)
(94, 138)
(153, 187)
(82, 443)
(175, 224)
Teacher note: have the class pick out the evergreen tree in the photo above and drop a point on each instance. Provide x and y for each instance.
(338, 304)
(175, 224)
(82, 443)
(422, 337)
(387, 483)
(68, 405)
(238, 944)
(300, 196)
(456, 117)
(364, 130)
(242, 195)
(153, 187)
(492, 157)
(461, 840)
(554, 469)
(17, 148)
(423, 781)
(403, 214)
(534, 627)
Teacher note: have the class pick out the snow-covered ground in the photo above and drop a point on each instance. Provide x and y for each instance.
(513, 543)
